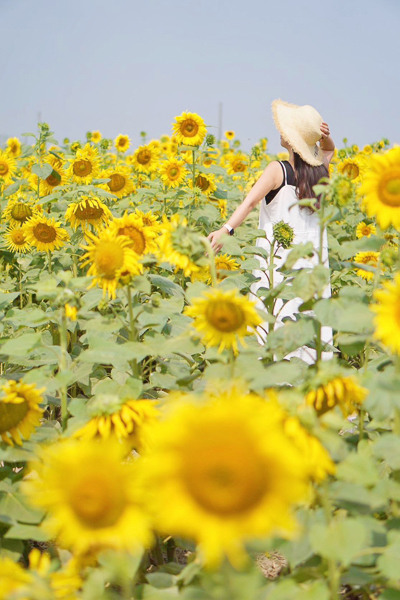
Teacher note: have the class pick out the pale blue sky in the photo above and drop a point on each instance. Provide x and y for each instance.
(122, 66)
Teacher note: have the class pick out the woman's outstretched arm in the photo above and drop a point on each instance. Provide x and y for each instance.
(269, 180)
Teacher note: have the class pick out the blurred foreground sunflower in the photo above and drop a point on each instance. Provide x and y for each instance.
(92, 498)
(222, 318)
(15, 582)
(19, 411)
(381, 188)
(224, 471)
(387, 313)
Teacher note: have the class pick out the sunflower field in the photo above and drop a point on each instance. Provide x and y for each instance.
(152, 446)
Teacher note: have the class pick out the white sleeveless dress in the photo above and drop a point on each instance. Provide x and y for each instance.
(305, 225)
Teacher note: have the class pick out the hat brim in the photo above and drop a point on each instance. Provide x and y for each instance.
(282, 113)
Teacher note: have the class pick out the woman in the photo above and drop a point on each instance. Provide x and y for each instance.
(279, 188)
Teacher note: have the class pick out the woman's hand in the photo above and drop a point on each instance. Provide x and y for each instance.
(325, 130)
(215, 238)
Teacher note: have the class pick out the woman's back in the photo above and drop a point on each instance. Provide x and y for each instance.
(284, 206)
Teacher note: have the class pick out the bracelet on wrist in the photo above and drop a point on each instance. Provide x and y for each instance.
(229, 228)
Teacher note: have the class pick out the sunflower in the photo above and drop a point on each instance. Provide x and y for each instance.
(237, 163)
(210, 157)
(109, 256)
(57, 176)
(180, 246)
(229, 134)
(141, 236)
(96, 137)
(366, 258)
(18, 211)
(145, 159)
(15, 239)
(223, 263)
(364, 230)
(224, 472)
(87, 211)
(381, 188)
(120, 183)
(122, 419)
(367, 149)
(223, 317)
(344, 392)
(45, 234)
(353, 167)
(8, 167)
(19, 411)
(92, 499)
(205, 182)
(172, 172)
(223, 208)
(15, 582)
(65, 582)
(387, 314)
(317, 460)
(149, 220)
(85, 166)
(14, 146)
(122, 142)
(189, 129)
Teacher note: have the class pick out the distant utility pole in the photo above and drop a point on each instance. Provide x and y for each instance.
(220, 121)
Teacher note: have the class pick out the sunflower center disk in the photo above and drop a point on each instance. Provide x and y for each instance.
(351, 171)
(202, 183)
(137, 237)
(18, 237)
(3, 169)
(116, 182)
(84, 212)
(189, 128)
(109, 259)
(226, 480)
(239, 167)
(144, 157)
(97, 502)
(11, 415)
(21, 212)
(173, 173)
(53, 179)
(389, 189)
(82, 168)
(225, 316)
(44, 233)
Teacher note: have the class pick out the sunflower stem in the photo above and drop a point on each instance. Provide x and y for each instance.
(63, 366)
(21, 300)
(361, 424)
(132, 333)
(158, 552)
(333, 571)
(211, 260)
(49, 261)
(377, 276)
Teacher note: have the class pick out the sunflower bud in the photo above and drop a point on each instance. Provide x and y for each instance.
(389, 255)
(210, 140)
(342, 190)
(283, 234)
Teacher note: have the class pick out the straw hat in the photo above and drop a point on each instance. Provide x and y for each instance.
(300, 126)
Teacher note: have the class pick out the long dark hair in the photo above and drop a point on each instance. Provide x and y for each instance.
(307, 176)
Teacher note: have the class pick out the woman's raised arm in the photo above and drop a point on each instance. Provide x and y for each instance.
(269, 180)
